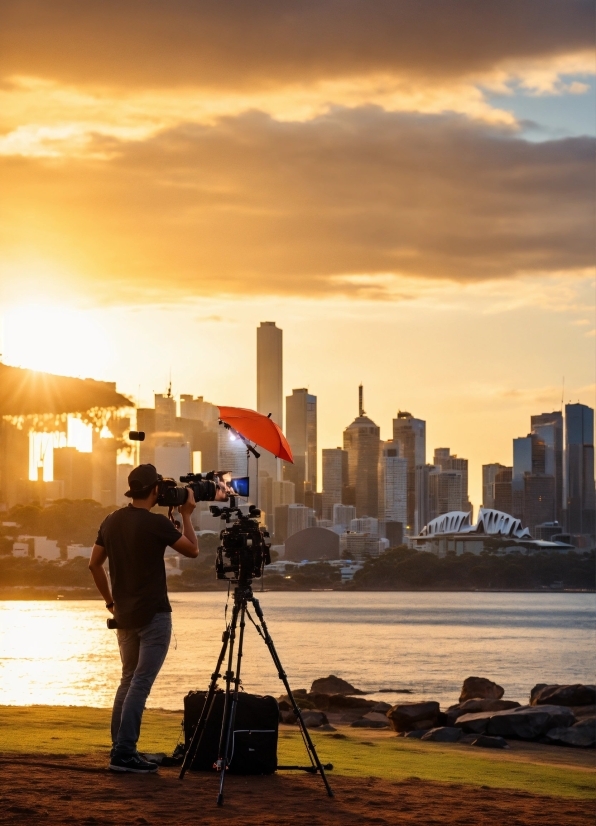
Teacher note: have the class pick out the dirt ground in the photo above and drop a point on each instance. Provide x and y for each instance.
(62, 790)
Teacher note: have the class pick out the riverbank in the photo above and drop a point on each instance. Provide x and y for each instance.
(54, 767)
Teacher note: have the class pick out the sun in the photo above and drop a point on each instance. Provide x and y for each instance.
(55, 338)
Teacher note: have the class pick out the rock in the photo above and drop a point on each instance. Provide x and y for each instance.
(412, 716)
(523, 723)
(339, 702)
(284, 705)
(443, 734)
(314, 719)
(468, 739)
(582, 734)
(563, 695)
(377, 717)
(529, 722)
(418, 734)
(287, 717)
(475, 688)
(474, 723)
(327, 727)
(490, 742)
(381, 707)
(334, 685)
(364, 723)
(475, 706)
(583, 711)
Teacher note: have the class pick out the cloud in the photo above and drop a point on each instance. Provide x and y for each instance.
(346, 203)
(244, 44)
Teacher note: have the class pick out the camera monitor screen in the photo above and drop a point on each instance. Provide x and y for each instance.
(240, 485)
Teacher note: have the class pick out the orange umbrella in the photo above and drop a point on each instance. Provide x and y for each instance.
(259, 429)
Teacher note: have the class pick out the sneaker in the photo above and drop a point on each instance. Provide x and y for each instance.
(131, 763)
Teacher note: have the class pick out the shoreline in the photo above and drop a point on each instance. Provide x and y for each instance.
(52, 593)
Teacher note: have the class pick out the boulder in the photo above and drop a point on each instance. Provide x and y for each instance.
(490, 742)
(418, 734)
(376, 717)
(474, 723)
(523, 723)
(364, 723)
(412, 716)
(582, 734)
(563, 695)
(583, 711)
(284, 705)
(314, 719)
(381, 707)
(339, 702)
(287, 717)
(334, 685)
(479, 688)
(475, 706)
(529, 722)
(443, 734)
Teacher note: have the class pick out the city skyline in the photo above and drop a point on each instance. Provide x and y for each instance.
(416, 215)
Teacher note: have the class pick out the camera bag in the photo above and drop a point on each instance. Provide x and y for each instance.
(254, 736)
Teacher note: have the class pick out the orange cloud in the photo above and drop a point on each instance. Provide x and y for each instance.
(245, 44)
(341, 204)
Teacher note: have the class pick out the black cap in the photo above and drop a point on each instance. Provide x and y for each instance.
(141, 478)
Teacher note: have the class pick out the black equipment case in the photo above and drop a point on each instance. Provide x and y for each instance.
(254, 736)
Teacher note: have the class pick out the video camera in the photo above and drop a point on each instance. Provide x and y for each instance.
(244, 544)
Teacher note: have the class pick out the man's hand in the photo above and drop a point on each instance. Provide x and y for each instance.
(188, 507)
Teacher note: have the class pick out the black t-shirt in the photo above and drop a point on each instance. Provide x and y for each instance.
(135, 541)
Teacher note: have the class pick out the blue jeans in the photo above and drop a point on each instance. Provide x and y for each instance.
(142, 651)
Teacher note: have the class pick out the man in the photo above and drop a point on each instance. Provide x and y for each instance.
(134, 541)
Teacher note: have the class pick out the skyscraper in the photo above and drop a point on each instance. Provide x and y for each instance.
(362, 442)
(393, 479)
(579, 443)
(409, 435)
(447, 461)
(301, 432)
(445, 491)
(549, 428)
(489, 473)
(532, 493)
(269, 386)
(335, 478)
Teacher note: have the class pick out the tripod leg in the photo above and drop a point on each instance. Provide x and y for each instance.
(228, 723)
(310, 746)
(200, 726)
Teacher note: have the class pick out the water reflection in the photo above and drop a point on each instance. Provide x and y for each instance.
(61, 652)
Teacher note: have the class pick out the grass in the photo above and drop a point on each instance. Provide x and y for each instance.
(76, 730)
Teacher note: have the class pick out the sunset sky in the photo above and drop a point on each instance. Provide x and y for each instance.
(404, 186)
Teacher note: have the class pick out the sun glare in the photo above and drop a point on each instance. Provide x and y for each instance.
(57, 339)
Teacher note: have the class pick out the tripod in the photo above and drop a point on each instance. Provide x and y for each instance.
(243, 594)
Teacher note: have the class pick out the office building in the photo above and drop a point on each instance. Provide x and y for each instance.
(362, 443)
(335, 478)
(271, 495)
(290, 519)
(301, 432)
(445, 492)
(409, 435)
(393, 482)
(74, 469)
(448, 461)
(165, 413)
(343, 515)
(104, 480)
(422, 511)
(548, 427)
(539, 500)
(365, 524)
(579, 450)
(489, 473)
(270, 386)
(503, 500)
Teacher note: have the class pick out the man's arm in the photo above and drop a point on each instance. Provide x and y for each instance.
(187, 545)
(98, 557)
